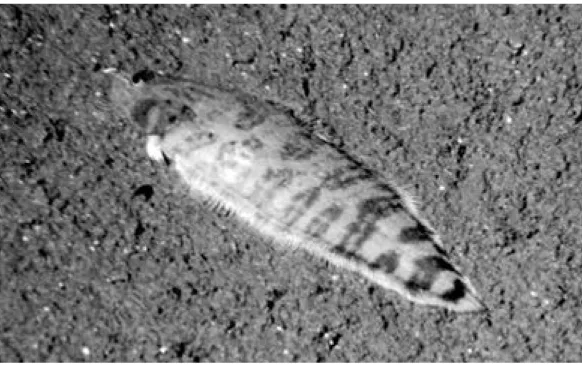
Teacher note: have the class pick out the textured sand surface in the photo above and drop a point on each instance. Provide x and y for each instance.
(477, 110)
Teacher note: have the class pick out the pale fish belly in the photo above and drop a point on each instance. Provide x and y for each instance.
(247, 157)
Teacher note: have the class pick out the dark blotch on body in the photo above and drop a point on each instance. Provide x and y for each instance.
(168, 114)
(175, 112)
(379, 207)
(387, 262)
(253, 113)
(299, 147)
(187, 114)
(300, 203)
(284, 176)
(332, 213)
(347, 176)
(359, 232)
(200, 139)
(308, 197)
(253, 143)
(140, 113)
(318, 226)
(370, 210)
(249, 119)
(418, 283)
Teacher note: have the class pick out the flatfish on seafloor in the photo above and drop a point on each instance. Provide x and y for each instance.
(247, 157)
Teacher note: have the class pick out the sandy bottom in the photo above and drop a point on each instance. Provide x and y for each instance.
(476, 110)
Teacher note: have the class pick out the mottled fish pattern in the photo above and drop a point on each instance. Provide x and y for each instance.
(248, 157)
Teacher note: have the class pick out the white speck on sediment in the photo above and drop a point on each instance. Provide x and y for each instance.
(86, 351)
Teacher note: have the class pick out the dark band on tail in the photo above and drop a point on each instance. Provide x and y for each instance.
(456, 293)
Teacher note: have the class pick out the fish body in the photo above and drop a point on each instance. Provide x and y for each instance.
(252, 159)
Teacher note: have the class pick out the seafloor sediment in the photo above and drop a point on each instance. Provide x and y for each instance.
(476, 110)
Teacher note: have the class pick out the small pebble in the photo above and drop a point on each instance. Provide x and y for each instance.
(515, 43)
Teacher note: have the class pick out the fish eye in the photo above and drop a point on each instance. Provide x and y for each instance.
(143, 75)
